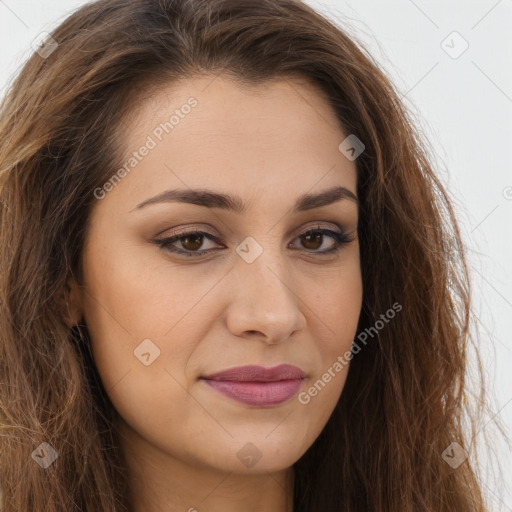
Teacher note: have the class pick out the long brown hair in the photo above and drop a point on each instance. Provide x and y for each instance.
(405, 400)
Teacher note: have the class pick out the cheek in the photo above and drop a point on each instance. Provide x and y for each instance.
(129, 298)
(133, 309)
(338, 316)
(337, 307)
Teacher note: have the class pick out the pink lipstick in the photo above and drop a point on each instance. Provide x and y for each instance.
(257, 385)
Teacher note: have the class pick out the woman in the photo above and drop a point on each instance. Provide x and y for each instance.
(231, 279)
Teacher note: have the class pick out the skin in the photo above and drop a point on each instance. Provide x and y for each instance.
(268, 144)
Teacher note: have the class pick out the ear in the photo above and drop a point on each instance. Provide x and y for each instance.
(71, 303)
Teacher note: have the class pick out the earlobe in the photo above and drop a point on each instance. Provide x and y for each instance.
(71, 303)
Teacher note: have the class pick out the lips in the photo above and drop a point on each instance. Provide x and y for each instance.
(257, 385)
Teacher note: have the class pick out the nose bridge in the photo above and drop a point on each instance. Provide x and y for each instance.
(264, 300)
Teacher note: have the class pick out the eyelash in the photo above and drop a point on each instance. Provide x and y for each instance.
(341, 239)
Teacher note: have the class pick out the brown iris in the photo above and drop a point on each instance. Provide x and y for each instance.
(312, 238)
(197, 242)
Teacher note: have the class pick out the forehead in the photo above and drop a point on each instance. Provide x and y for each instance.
(209, 131)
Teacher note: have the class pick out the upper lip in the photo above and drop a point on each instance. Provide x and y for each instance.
(255, 373)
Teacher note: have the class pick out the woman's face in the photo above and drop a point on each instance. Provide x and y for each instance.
(263, 292)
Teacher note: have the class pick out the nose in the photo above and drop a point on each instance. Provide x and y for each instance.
(264, 303)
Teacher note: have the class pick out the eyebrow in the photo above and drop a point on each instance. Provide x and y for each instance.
(211, 199)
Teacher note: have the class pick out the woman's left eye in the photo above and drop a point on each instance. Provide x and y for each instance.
(312, 240)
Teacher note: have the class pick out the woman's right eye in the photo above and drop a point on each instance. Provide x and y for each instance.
(190, 241)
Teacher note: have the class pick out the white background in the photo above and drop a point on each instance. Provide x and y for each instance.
(464, 106)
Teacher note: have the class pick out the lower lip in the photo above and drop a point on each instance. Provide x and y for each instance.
(261, 394)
